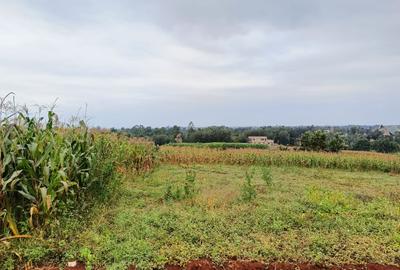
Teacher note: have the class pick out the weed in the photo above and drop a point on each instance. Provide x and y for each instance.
(248, 191)
(190, 185)
(266, 175)
(87, 257)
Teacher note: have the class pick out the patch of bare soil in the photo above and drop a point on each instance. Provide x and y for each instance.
(205, 264)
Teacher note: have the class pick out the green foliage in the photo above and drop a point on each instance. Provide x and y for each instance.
(314, 140)
(319, 140)
(190, 184)
(208, 134)
(186, 192)
(266, 175)
(385, 145)
(362, 144)
(248, 191)
(45, 169)
(336, 143)
(318, 216)
(87, 257)
(161, 139)
(41, 167)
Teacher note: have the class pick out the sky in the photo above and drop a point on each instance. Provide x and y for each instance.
(224, 62)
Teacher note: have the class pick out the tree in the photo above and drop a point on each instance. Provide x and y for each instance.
(336, 143)
(314, 140)
(161, 139)
(385, 145)
(362, 144)
(283, 137)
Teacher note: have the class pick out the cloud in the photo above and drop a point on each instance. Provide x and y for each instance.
(215, 62)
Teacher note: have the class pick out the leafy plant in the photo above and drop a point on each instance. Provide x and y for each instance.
(266, 175)
(87, 256)
(248, 191)
(189, 187)
(178, 192)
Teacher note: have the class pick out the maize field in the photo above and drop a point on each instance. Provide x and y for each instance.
(347, 160)
(43, 168)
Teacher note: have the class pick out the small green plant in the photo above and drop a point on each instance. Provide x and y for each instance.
(178, 193)
(248, 190)
(173, 193)
(266, 175)
(87, 257)
(190, 184)
(168, 194)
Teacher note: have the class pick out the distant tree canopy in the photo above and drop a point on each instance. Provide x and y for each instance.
(210, 134)
(385, 145)
(360, 138)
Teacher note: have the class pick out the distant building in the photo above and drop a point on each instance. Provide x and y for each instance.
(385, 131)
(178, 138)
(260, 140)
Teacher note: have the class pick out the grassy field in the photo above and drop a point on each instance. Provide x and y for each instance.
(317, 215)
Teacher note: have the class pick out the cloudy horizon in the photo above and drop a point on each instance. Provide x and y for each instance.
(233, 63)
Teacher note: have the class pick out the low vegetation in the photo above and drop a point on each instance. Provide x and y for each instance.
(316, 215)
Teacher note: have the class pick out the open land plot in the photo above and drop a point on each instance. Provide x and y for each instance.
(321, 216)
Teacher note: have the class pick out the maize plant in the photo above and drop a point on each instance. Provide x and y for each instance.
(40, 165)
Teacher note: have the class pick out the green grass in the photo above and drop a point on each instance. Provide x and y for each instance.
(221, 145)
(303, 214)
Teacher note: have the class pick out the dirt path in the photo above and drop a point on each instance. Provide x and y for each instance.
(249, 265)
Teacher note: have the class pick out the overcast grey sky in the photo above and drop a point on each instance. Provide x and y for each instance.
(213, 62)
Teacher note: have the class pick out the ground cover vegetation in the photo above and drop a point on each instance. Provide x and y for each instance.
(322, 216)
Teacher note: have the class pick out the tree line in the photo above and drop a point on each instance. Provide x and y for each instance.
(318, 138)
